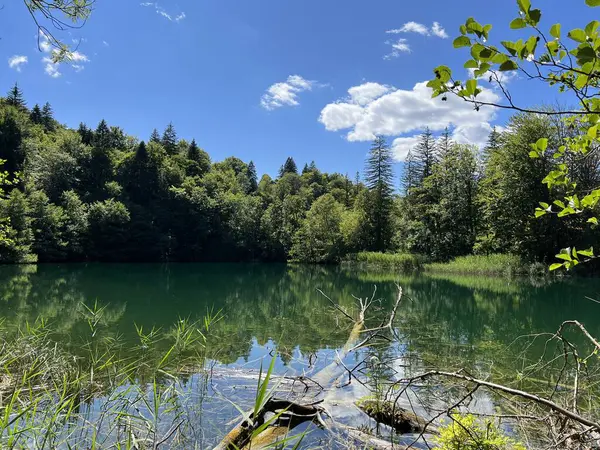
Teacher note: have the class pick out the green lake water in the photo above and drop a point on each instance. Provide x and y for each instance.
(444, 321)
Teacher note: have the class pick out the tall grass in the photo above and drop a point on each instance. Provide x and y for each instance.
(404, 262)
(114, 396)
(496, 264)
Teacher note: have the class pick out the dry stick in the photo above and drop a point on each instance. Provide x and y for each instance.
(553, 406)
(335, 305)
(582, 328)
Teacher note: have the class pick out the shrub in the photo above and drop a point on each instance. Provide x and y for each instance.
(464, 432)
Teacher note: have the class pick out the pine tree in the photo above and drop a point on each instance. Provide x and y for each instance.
(305, 169)
(169, 139)
(141, 153)
(379, 176)
(410, 175)
(493, 144)
(193, 151)
(312, 167)
(155, 137)
(102, 137)
(444, 143)
(288, 167)
(425, 155)
(252, 177)
(15, 97)
(36, 115)
(48, 117)
(87, 135)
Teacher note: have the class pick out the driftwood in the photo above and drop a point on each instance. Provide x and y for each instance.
(291, 413)
(390, 414)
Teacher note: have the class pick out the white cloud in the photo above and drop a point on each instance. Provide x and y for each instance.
(367, 92)
(439, 31)
(106, 44)
(52, 68)
(17, 61)
(404, 113)
(402, 145)
(411, 27)
(161, 12)
(415, 27)
(285, 93)
(398, 47)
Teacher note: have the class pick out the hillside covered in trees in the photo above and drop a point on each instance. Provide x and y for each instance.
(97, 194)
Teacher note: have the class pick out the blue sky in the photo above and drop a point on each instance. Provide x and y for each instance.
(267, 79)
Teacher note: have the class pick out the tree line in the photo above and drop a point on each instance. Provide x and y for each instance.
(97, 194)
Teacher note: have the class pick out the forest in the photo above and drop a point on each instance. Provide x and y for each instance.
(98, 194)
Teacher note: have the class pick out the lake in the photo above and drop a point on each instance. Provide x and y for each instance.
(444, 321)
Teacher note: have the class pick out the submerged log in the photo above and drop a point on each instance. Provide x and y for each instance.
(291, 413)
(400, 419)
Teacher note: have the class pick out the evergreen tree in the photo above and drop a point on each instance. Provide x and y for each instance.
(87, 135)
(199, 160)
(493, 144)
(48, 117)
(141, 153)
(410, 175)
(193, 152)
(102, 136)
(379, 176)
(155, 137)
(169, 139)
(425, 156)
(305, 169)
(252, 177)
(312, 167)
(15, 97)
(444, 143)
(288, 167)
(36, 115)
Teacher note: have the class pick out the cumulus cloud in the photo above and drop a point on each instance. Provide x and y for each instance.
(398, 47)
(439, 31)
(51, 67)
(494, 77)
(17, 61)
(163, 13)
(415, 27)
(286, 93)
(402, 114)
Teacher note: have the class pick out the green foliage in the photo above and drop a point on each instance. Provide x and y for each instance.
(567, 61)
(493, 264)
(466, 432)
(402, 261)
(319, 239)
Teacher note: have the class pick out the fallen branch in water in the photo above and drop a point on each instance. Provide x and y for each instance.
(288, 414)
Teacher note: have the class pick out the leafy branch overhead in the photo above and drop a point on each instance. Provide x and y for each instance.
(58, 15)
(568, 61)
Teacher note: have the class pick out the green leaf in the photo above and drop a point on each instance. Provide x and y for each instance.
(555, 31)
(593, 220)
(510, 46)
(591, 27)
(592, 3)
(518, 23)
(578, 35)
(524, 5)
(462, 41)
(542, 144)
(443, 73)
(540, 213)
(463, 29)
(534, 154)
(581, 81)
(589, 252)
(555, 266)
(593, 132)
(470, 86)
(471, 64)
(508, 65)
(535, 15)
